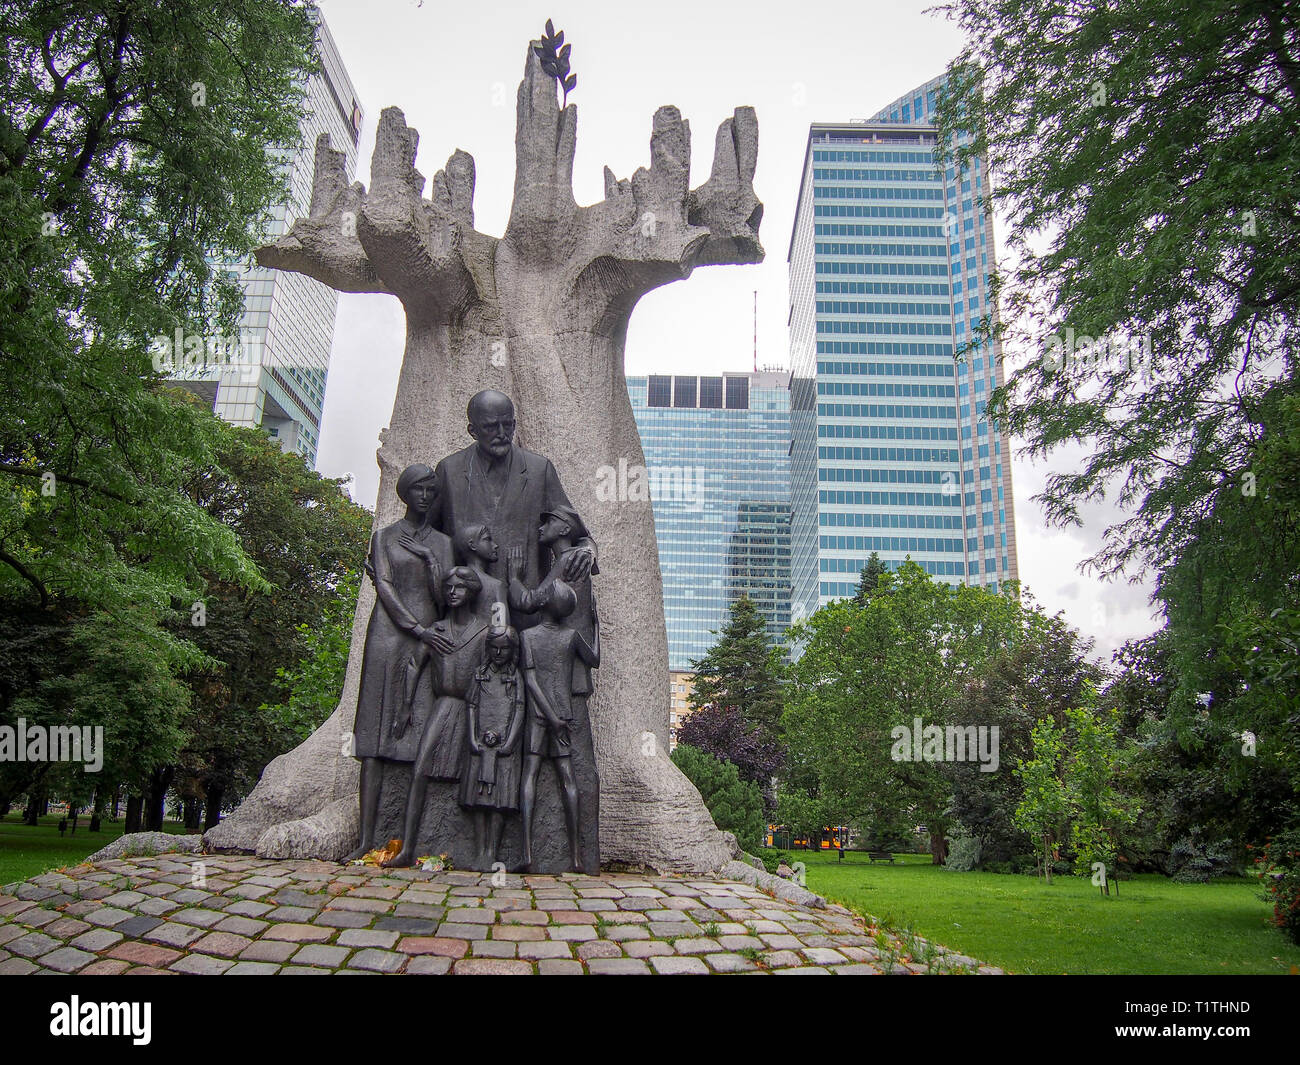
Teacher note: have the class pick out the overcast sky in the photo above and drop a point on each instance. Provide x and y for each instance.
(453, 69)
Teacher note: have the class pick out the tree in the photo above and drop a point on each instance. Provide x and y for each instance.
(1090, 781)
(873, 574)
(737, 698)
(1043, 807)
(735, 805)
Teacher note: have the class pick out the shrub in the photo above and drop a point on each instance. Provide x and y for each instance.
(736, 805)
(1193, 861)
(1279, 866)
(963, 854)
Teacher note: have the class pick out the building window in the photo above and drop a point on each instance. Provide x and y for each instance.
(660, 392)
(737, 393)
(711, 392)
(683, 391)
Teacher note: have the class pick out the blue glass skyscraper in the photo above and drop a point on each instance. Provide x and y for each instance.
(889, 273)
(716, 450)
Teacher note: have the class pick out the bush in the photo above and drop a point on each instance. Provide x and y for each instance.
(1193, 861)
(1279, 866)
(736, 805)
(963, 854)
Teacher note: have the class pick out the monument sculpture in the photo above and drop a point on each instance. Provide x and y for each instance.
(539, 314)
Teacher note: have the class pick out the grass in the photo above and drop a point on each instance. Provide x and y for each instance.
(27, 851)
(1021, 924)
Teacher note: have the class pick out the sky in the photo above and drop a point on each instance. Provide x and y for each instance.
(454, 69)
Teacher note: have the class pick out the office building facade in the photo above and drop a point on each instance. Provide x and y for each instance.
(278, 379)
(891, 450)
(716, 451)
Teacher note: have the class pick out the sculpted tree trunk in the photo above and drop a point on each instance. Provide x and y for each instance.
(540, 313)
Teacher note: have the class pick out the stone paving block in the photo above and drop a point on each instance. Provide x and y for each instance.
(545, 950)
(408, 926)
(201, 965)
(174, 935)
(524, 917)
(824, 956)
(617, 966)
(672, 965)
(672, 929)
(599, 948)
(17, 967)
(559, 967)
(65, 928)
(108, 916)
(740, 943)
(277, 951)
(729, 963)
(299, 933)
(647, 948)
(467, 915)
(67, 959)
(304, 970)
(696, 945)
(379, 961)
(252, 968)
(459, 930)
(361, 937)
(148, 970)
(572, 917)
(11, 931)
(144, 954)
(443, 946)
(124, 899)
(33, 945)
(97, 939)
(856, 970)
(571, 933)
(138, 925)
(344, 919)
(247, 908)
(360, 905)
(105, 967)
(223, 944)
(291, 914)
(158, 907)
(519, 933)
(491, 967)
(623, 932)
(492, 948)
(203, 918)
(428, 965)
(318, 954)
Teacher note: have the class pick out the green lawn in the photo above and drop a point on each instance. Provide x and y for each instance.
(27, 851)
(1025, 926)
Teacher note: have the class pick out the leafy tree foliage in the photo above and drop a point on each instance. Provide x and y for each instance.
(735, 804)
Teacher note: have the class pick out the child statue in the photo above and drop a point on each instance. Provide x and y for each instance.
(549, 653)
(494, 705)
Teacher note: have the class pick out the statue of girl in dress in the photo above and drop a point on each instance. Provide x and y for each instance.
(495, 707)
(441, 754)
(407, 561)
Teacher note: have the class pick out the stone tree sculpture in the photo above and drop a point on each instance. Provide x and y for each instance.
(540, 313)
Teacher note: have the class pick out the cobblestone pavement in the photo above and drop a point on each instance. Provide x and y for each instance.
(238, 915)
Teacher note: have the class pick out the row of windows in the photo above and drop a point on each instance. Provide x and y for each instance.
(834, 229)
(886, 432)
(850, 388)
(891, 521)
(893, 269)
(881, 543)
(874, 476)
(887, 499)
(855, 174)
(892, 411)
(887, 369)
(883, 288)
(866, 192)
(891, 250)
(828, 155)
(889, 454)
(869, 307)
(876, 347)
(888, 328)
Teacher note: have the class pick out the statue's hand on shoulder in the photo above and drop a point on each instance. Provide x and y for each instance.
(514, 563)
(577, 564)
(416, 548)
(439, 641)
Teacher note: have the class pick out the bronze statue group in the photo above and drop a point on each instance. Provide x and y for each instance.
(484, 585)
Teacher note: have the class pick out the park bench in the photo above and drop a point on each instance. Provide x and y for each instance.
(880, 856)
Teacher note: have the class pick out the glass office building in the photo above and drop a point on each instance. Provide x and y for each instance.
(891, 450)
(716, 451)
(288, 325)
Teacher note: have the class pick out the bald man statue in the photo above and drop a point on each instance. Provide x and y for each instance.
(494, 483)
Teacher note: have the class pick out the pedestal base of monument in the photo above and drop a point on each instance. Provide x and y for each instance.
(240, 915)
